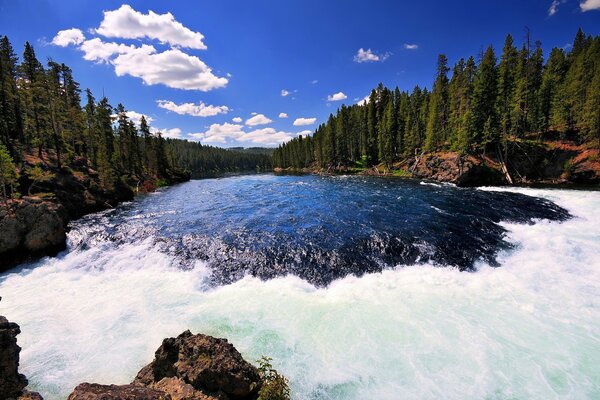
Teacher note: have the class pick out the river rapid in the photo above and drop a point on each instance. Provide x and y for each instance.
(357, 287)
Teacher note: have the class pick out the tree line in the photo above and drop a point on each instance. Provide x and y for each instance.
(42, 114)
(484, 106)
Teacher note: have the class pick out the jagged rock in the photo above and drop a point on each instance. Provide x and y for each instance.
(208, 364)
(29, 228)
(12, 383)
(179, 390)
(459, 169)
(27, 395)
(94, 391)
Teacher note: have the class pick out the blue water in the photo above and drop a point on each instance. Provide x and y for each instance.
(318, 228)
(357, 287)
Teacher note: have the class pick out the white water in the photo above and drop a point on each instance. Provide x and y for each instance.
(530, 329)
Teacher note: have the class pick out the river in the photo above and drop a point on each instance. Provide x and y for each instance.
(357, 287)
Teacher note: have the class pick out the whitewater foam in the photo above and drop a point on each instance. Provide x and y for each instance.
(529, 329)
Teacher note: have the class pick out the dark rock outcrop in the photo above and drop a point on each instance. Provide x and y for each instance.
(30, 228)
(211, 366)
(459, 169)
(12, 383)
(94, 391)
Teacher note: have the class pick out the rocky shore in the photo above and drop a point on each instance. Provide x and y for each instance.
(555, 162)
(188, 367)
(35, 225)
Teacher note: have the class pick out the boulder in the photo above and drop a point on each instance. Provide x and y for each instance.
(210, 365)
(94, 391)
(179, 390)
(30, 228)
(11, 382)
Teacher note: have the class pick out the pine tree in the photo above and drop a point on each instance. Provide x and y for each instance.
(11, 121)
(8, 173)
(507, 70)
(438, 107)
(483, 106)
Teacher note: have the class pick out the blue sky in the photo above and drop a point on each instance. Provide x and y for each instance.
(202, 72)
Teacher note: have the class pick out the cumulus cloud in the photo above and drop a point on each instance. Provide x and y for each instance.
(305, 133)
(68, 37)
(237, 120)
(284, 93)
(195, 110)
(337, 97)
(283, 115)
(304, 121)
(314, 81)
(258, 119)
(127, 23)
(173, 133)
(411, 46)
(589, 5)
(365, 56)
(368, 55)
(136, 117)
(364, 100)
(231, 133)
(172, 68)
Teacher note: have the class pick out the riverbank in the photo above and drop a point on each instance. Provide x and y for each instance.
(188, 367)
(552, 162)
(35, 223)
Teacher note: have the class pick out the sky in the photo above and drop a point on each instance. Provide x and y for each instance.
(258, 73)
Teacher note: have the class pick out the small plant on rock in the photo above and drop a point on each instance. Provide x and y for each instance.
(275, 386)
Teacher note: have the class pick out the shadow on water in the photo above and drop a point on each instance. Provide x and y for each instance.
(318, 228)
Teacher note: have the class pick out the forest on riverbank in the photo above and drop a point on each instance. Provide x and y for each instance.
(502, 110)
(45, 129)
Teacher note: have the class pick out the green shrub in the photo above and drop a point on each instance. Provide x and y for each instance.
(275, 386)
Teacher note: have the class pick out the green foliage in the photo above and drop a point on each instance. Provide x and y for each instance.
(482, 108)
(275, 386)
(8, 172)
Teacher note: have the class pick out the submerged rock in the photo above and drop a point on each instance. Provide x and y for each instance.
(94, 391)
(12, 383)
(209, 365)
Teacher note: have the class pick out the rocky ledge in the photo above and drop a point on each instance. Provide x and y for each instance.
(188, 367)
(35, 225)
(12, 383)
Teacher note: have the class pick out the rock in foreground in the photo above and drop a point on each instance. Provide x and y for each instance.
(12, 383)
(188, 367)
(209, 365)
(94, 391)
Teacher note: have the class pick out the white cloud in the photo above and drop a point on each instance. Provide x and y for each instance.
(253, 113)
(365, 56)
(134, 116)
(127, 23)
(67, 37)
(554, 7)
(258, 119)
(304, 121)
(337, 97)
(232, 133)
(284, 93)
(172, 68)
(368, 56)
(411, 46)
(283, 115)
(196, 110)
(306, 132)
(588, 5)
(314, 82)
(173, 133)
(237, 120)
(364, 100)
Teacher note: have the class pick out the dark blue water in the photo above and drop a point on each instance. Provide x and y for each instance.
(318, 228)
